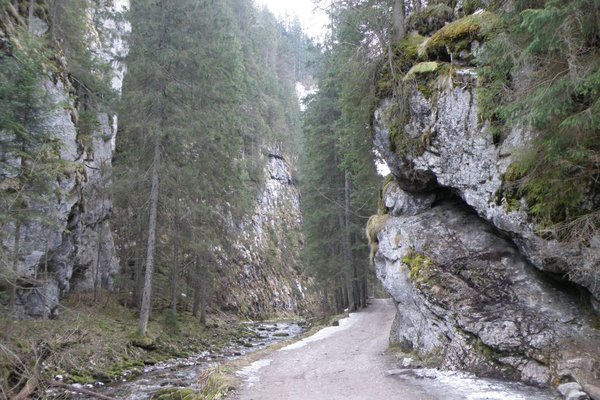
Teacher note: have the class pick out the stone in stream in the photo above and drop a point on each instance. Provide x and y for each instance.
(568, 387)
(577, 395)
(592, 390)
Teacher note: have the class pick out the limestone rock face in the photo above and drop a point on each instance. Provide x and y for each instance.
(75, 243)
(476, 287)
(77, 247)
(468, 298)
(459, 153)
(263, 269)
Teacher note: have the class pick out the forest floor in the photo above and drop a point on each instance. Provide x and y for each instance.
(96, 341)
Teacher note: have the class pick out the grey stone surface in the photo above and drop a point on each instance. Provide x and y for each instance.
(267, 244)
(398, 202)
(567, 388)
(76, 243)
(460, 154)
(465, 273)
(577, 395)
(466, 296)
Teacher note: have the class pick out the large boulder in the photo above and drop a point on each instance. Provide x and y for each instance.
(467, 299)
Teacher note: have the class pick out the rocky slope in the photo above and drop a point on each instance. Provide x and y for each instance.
(476, 286)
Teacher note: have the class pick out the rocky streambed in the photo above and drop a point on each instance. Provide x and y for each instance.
(183, 373)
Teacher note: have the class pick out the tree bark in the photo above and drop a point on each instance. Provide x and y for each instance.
(98, 258)
(30, 16)
(45, 295)
(349, 269)
(146, 296)
(15, 267)
(138, 278)
(174, 270)
(399, 26)
(197, 289)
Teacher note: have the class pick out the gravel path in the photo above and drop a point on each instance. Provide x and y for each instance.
(345, 362)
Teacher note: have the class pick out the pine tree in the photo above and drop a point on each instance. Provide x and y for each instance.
(338, 174)
(30, 157)
(181, 100)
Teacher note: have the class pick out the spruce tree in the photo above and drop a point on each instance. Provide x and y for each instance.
(30, 157)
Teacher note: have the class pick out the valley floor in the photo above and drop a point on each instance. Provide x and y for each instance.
(350, 362)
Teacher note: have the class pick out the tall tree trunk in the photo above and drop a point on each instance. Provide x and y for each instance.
(15, 267)
(203, 301)
(174, 270)
(30, 16)
(197, 298)
(399, 26)
(45, 294)
(146, 296)
(204, 285)
(196, 284)
(325, 301)
(98, 258)
(349, 269)
(138, 289)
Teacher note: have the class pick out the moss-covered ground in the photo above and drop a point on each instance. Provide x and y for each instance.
(88, 343)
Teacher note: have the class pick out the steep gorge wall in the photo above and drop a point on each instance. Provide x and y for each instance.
(76, 245)
(260, 277)
(476, 286)
(263, 277)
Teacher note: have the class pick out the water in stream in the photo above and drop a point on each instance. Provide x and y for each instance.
(183, 373)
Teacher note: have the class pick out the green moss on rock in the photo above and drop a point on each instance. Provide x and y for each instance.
(406, 53)
(176, 394)
(375, 224)
(458, 35)
(429, 19)
(422, 68)
(419, 266)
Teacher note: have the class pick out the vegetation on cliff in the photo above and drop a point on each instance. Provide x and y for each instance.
(543, 71)
(537, 66)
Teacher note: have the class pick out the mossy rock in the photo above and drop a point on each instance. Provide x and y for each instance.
(429, 19)
(458, 35)
(422, 68)
(375, 224)
(146, 342)
(419, 266)
(81, 377)
(470, 6)
(406, 54)
(408, 48)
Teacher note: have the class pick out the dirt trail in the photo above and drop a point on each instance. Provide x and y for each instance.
(346, 362)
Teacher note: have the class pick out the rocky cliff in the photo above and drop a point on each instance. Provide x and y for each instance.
(476, 285)
(263, 275)
(74, 242)
(75, 245)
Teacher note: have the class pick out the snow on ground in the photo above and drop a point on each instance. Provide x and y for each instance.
(250, 372)
(344, 324)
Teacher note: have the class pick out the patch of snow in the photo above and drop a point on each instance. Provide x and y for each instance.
(250, 372)
(344, 323)
(463, 385)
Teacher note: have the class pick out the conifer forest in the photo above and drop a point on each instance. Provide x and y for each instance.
(349, 199)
